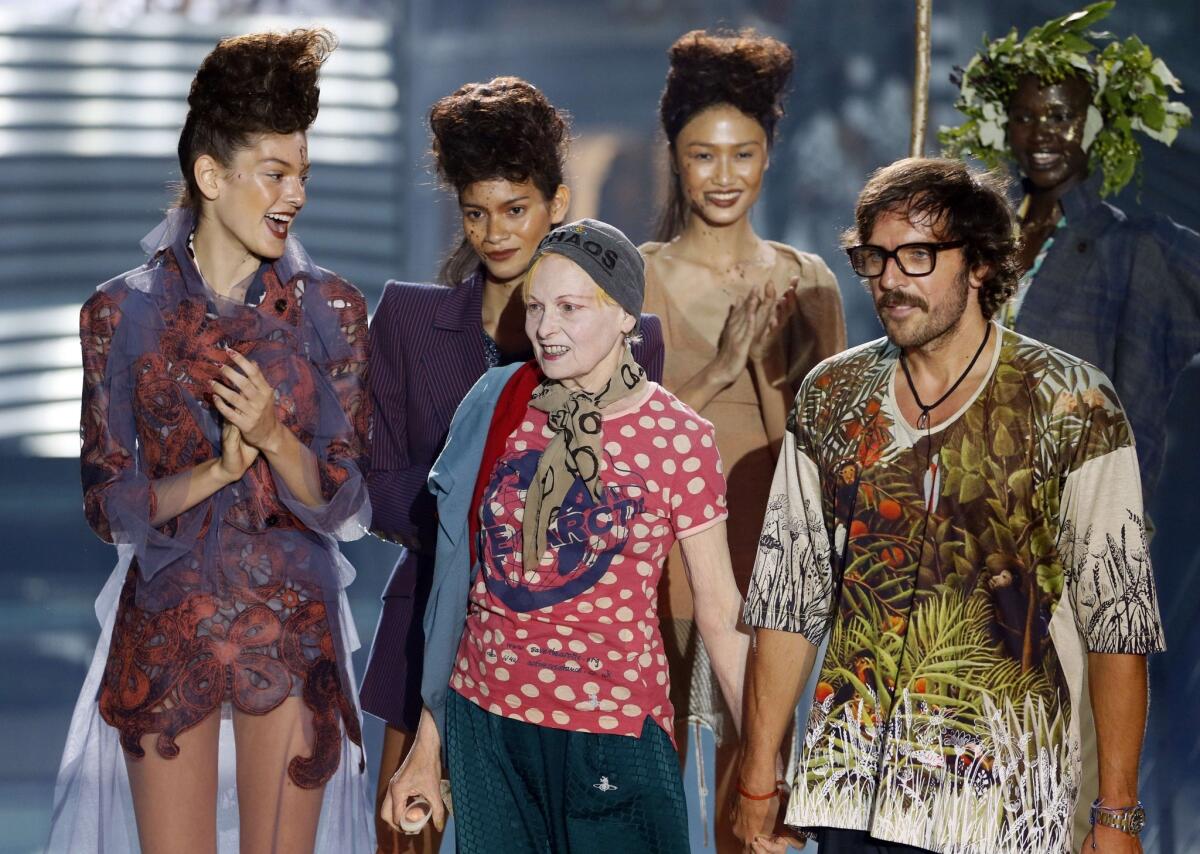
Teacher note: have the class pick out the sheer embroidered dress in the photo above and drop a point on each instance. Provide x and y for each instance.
(237, 602)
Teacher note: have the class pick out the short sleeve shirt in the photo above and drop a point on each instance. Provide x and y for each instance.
(961, 576)
(574, 642)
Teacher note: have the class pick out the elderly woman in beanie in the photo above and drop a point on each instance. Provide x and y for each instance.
(563, 485)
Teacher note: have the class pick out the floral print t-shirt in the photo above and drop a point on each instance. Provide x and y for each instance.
(962, 575)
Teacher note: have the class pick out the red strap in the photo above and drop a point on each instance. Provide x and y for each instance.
(510, 411)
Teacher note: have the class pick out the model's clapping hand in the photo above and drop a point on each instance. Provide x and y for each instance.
(237, 454)
(775, 312)
(247, 401)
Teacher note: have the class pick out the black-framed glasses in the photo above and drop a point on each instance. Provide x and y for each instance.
(913, 259)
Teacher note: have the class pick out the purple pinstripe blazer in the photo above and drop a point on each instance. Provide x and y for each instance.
(426, 352)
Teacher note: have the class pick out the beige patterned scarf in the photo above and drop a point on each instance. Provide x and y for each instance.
(575, 417)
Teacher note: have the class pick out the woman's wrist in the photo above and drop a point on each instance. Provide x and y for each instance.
(214, 472)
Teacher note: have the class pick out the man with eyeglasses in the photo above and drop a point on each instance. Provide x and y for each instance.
(957, 510)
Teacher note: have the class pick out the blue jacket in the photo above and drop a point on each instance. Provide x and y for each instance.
(1121, 292)
(452, 482)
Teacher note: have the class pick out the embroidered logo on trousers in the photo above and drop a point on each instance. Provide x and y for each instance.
(604, 785)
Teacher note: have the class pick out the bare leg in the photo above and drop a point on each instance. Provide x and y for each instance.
(175, 800)
(275, 814)
(396, 743)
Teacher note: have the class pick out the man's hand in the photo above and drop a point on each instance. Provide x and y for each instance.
(418, 779)
(1108, 840)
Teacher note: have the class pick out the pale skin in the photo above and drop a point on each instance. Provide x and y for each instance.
(721, 270)
(938, 347)
(175, 799)
(578, 338)
(503, 221)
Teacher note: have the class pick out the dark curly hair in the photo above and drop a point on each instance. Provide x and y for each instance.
(504, 128)
(250, 85)
(743, 69)
(959, 204)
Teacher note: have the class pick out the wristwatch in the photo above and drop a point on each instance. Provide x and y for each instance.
(1129, 820)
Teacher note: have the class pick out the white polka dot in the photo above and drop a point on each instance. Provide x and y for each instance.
(554, 644)
(520, 444)
(696, 485)
(691, 425)
(604, 602)
(706, 440)
(641, 461)
(631, 710)
(625, 635)
(628, 432)
(560, 717)
(666, 423)
(652, 485)
(546, 676)
(613, 449)
(624, 614)
(641, 547)
(522, 634)
(564, 693)
(595, 637)
(514, 702)
(631, 675)
(621, 693)
(656, 405)
(691, 464)
(586, 607)
(681, 443)
(684, 522)
(641, 531)
(613, 655)
(501, 674)
(565, 631)
(645, 659)
(646, 421)
(659, 441)
(578, 646)
(535, 716)
(608, 722)
(530, 691)
(661, 677)
(527, 426)
(626, 593)
(644, 569)
(591, 688)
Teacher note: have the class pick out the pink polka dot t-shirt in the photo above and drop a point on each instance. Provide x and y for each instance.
(574, 643)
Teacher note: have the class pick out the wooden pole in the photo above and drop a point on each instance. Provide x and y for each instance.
(920, 92)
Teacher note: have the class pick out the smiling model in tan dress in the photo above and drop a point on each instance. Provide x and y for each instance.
(744, 319)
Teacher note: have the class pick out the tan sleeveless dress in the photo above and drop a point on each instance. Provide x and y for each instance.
(817, 332)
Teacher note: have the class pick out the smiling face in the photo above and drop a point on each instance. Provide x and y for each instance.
(721, 155)
(577, 334)
(505, 221)
(255, 198)
(916, 310)
(1045, 130)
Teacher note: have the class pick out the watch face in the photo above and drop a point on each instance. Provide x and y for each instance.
(1137, 820)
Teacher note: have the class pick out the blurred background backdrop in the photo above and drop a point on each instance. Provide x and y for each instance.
(92, 95)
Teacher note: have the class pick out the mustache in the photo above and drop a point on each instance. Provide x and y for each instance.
(898, 298)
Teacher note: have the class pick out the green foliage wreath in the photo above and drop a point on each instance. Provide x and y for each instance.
(1130, 92)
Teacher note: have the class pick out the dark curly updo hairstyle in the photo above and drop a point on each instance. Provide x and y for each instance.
(504, 128)
(743, 69)
(250, 85)
(958, 204)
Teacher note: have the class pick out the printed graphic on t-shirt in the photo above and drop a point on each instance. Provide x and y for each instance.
(583, 538)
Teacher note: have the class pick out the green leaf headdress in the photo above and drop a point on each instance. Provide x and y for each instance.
(1129, 93)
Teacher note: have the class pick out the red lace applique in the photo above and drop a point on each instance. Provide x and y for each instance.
(168, 671)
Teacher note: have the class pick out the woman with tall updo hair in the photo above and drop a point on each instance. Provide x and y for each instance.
(744, 319)
(500, 147)
(224, 434)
